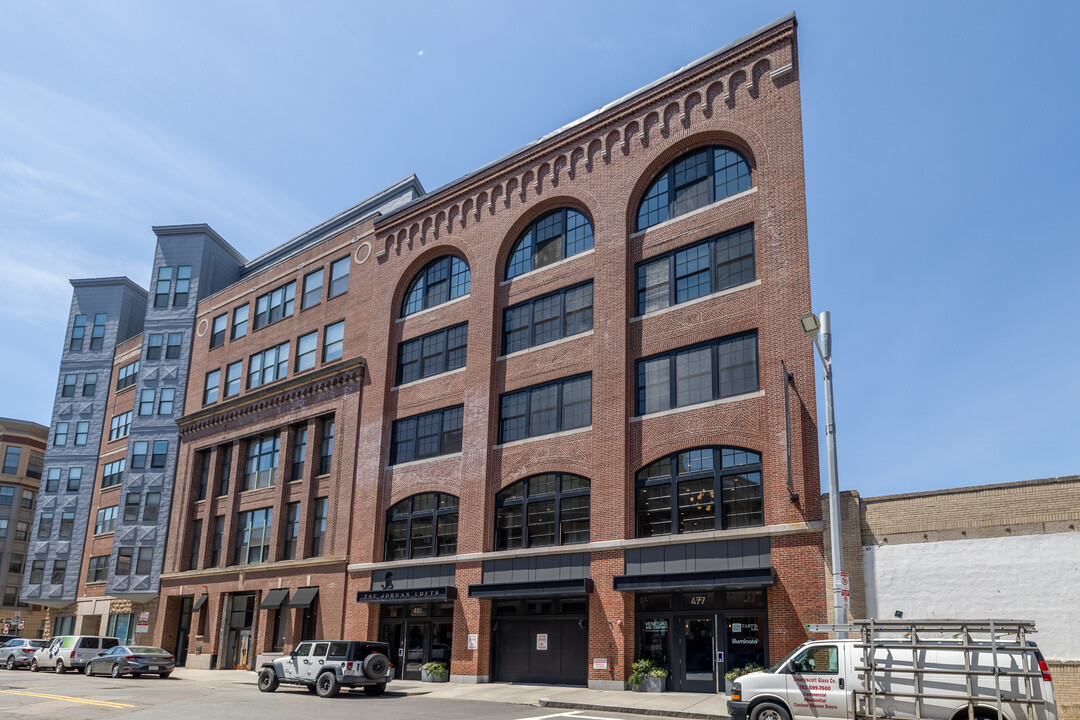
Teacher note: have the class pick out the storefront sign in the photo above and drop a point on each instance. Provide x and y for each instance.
(418, 611)
(541, 641)
(599, 664)
(393, 596)
(658, 625)
(474, 641)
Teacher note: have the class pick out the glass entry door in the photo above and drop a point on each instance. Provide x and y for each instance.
(696, 655)
(415, 640)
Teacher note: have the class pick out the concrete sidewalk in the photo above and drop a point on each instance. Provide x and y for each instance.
(697, 706)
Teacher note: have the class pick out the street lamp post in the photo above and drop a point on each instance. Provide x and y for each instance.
(819, 331)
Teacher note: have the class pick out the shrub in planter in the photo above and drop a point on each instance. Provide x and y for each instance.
(648, 676)
(434, 672)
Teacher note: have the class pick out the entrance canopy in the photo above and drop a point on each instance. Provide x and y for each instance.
(433, 594)
(537, 588)
(304, 597)
(693, 580)
(274, 598)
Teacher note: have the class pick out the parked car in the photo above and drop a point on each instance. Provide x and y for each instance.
(133, 659)
(65, 652)
(18, 652)
(324, 667)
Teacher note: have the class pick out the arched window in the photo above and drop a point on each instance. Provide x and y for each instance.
(548, 509)
(441, 280)
(551, 237)
(694, 180)
(711, 488)
(424, 525)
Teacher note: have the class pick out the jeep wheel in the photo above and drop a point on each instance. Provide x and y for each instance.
(375, 666)
(268, 681)
(327, 685)
(60, 669)
(374, 690)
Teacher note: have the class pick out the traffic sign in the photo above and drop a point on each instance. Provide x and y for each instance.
(22, 624)
(845, 598)
(7, 628)
(844, 583)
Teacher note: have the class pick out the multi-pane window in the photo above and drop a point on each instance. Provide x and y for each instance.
(183, 285)
(144, 561)
(166, 400)
(548, 509)
(307, 347)
(694, 180)
(712, 488)
(27, 500)
(427, 435)
(548, 318)
(131, 506)
(326, 444)
(542, 409)
(234, 372)
(299, 452)
(97, 332)
(34, 465)
(97, 570)
(711, 266)
(226, 469)
(172, 349)
(211, 387)
(113, 473)
(275, 305)
(52, 480)
(67, 523)
(3, 528)
(22, 530)
(253, 533)
(313, 283)
(700, 373)
(217, 332)
(127, 375)
(146, 401)
(204, 474)
(552, 237)
(61, 434)
(441, 280)
(74, 479)
(123, 560)
(292, 530)
(339, 277)
(163, 287)
(140, 449)
(262, 460)
(58, 572)
(45, 523)
(78, 331)
(269, 365)
(152, 507)
(106, 520)
(333, 341)
(318, 527)
(431, 354)
(7, 496)
(89, 384)
(424, 525)
(160, 454)
(12, 455)
(69, 385)
(154, 342)
(37, 573)
(240, 321)
(219, 539)
(82, 430)
(15, 563)
(196, 544)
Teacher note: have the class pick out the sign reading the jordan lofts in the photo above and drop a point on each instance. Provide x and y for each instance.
(391, 596)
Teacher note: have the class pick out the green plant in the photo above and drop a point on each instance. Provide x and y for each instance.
(436, 668)
(737, 673)
(646, 668)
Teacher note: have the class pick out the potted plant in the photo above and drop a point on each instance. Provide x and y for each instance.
(434, 671)
(732, 675)
(648, 676)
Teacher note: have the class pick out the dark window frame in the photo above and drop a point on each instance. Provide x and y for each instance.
(449, 439)
(280, 303)
(415, 348)
(212, 387)
(431, 273)
(97, 331)
(320, 511)
(716, 346)
(78, 332)
(404, 511)
(326, 444)
(163, 287)
(338, 282)
(313, 293)
(240, 324)
(245, 524)
(89, 384)
(560, 408)
(154, 344)
(333, 347)
(217, 336)
(531, 323)
(555, 223)
(519, 495)
(668, 176)
(183, 286)
(127, 375)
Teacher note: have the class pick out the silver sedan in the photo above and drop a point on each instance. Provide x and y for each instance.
(131, 659)
(18, 652)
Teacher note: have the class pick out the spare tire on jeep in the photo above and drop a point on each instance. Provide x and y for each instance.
(376, 666)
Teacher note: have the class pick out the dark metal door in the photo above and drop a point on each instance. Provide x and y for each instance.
(183, 627)
(695, 655)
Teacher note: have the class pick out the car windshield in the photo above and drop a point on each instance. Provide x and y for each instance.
(36, 643)
(782, 663)
(147, 650)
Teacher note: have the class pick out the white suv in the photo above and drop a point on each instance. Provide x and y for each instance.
(324, 667)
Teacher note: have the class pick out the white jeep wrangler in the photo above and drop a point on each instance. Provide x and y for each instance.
(326, 666)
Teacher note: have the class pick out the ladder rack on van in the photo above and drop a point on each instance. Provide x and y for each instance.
(1005, 636)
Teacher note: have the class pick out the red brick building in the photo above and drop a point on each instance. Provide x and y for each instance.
(572, 410)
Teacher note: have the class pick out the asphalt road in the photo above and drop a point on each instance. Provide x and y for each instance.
(25, 696)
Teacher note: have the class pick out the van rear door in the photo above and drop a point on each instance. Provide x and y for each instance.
(816, 683)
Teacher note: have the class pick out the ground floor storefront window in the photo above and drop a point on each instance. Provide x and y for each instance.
(417, 633)
(686, 631)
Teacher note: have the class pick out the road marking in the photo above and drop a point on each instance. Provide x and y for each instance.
(571, 714)
(66, 698)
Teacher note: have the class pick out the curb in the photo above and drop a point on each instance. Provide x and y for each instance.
(559, 704)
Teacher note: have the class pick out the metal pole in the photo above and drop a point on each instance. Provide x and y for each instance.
(835, 536)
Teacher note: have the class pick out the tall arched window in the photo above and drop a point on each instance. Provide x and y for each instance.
(548, 509)
(551, 237)
(441, 280)
(424, 525)
(694, 180)
(711, 488)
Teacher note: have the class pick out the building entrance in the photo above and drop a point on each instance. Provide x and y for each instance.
(238, 653)
(417, 634)
(541, 640)
(183, 628)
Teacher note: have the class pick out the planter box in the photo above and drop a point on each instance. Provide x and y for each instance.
(633, 687)
(654, 684)
(425, 676)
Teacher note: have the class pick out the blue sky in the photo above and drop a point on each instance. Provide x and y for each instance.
(940, 143)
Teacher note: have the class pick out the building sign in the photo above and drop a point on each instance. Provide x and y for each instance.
(393, 596)
(474, 641)
(599, 664)
(657, 625)
(541, 641)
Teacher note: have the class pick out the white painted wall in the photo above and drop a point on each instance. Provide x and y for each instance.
(1027, 577)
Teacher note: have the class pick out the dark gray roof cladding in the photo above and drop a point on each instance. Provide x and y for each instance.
(106, 282)
(380, 201)
(566, 128)
(196, 228)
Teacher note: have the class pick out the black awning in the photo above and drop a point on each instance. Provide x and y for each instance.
(434, 594)
(538, 588)
(304, 597)
(274, 598)
(694, 580)
(200, 602)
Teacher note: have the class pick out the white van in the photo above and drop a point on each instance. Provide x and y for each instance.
(936, 670)
(67, 652)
